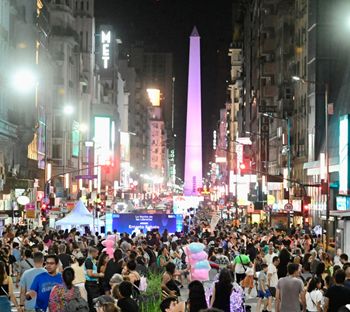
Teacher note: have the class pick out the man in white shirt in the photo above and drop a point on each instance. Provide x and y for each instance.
(270, 255)
(272, 277)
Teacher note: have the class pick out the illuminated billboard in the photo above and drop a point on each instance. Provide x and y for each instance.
(129, 223)
(344, 155)
(154, 96)
(75, 139)
(106, 42)
(102, 137)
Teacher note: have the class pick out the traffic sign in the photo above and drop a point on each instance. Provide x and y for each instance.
(86, 177)
(288, 207)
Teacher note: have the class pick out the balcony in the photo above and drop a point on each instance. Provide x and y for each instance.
(269, 69)
(60, 31)
(269, 46)
(268, 23)
(269, 91)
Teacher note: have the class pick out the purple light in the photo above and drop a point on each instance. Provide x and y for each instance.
(193, 150)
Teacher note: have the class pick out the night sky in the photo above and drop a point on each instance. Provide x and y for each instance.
(167, 24)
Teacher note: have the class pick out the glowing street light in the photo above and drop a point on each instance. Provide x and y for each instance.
(83, 128)
(24, 80)
(68, 110)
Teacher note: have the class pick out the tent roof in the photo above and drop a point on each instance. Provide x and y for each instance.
(79, 215)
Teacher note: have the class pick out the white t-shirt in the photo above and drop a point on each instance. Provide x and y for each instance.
(268, 258)
(274, 277)
(312, 299)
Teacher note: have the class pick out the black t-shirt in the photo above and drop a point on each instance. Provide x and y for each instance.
(128, 305)
(88, 264)
(338, 296)
(112, 268)
(65, 260)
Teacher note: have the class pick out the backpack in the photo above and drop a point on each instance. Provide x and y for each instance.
(77, 303)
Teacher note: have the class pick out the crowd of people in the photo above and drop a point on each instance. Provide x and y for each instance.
(70, 271)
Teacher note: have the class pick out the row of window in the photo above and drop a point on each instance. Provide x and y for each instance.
(83, 4)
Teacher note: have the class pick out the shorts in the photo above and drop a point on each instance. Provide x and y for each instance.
(265, 294)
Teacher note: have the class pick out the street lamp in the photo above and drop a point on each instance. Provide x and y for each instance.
(68, 109)
(24, 80)
(326, 88)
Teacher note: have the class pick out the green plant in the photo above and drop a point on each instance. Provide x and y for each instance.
(150, 300)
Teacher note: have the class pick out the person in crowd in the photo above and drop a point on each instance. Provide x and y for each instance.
(130, 273)
(222, 291)
(151, 256)
(343, 258)
(270, 254)
(196, 297)
(263, 290)
(305, 274)
(336, 259)
(6, 291)
(221, 259)
(125, 302)
(337, 295)
(314, 296)
(163, 257)
(290, 294)
(101, 268)
(169, 285)
(64, 258)
(171, 304)
(285, 258)
(240, 265)
(248, 281)
(91, 277)
(141, 266)
(272, 276)
(44, 282)
(62, 294)
(26, 262)
(26, 281)
(79, 273)
(114, 266)
(105, 303)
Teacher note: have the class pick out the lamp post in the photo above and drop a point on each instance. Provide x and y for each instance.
(326, 90)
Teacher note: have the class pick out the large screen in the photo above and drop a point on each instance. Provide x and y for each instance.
(129, 223)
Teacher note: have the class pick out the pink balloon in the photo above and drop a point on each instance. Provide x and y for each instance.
(200, 256)
(200, 275)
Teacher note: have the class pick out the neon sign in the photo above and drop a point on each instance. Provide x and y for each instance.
(106, 41)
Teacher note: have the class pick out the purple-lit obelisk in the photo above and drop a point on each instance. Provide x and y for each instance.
(193, 152)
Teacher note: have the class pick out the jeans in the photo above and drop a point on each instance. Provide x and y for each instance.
(5, 304)
(93, 291)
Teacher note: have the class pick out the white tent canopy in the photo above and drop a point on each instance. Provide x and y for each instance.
(79, 216)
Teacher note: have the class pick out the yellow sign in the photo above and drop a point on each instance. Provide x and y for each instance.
(30, 214)
(271, 199)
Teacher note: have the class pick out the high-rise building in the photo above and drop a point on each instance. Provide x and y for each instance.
(18, 109)
(65, 51)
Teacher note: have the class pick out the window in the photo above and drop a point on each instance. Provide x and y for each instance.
(87, 5)
(56, 151)
(82, 5)
(87, 41)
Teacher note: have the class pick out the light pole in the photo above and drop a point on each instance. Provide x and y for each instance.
(326, 90)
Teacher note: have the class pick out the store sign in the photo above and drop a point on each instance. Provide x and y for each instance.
(106, 42)
(344, 155)
(343, 203)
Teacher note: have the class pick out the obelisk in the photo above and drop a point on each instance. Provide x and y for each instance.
(193, 148)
